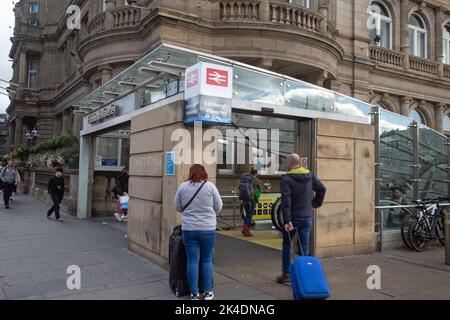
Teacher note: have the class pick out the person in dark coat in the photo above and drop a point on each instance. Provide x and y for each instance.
(121, 186)
(56, 191)
(298, 202)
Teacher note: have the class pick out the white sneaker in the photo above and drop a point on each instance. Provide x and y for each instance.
(208, 295)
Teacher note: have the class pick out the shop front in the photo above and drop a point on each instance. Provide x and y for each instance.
(177, 107)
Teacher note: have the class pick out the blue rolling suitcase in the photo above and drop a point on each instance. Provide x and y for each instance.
(308, 278)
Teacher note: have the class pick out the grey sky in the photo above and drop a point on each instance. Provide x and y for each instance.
(6, 21)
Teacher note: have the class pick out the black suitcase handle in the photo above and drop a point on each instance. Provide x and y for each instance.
(299, 243)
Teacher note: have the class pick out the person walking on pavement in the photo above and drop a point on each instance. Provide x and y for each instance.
(56, 191)
(199, 202)
(10, 178)
(247, 196)
(298, 203)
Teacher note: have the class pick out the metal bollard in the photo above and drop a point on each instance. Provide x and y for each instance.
(447, 239)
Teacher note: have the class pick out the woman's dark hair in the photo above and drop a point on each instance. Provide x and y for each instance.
(197, 173)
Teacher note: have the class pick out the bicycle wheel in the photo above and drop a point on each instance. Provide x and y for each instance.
(274, 214)
(404, 229)
(417, 236)
(440, 230)
(280, 217)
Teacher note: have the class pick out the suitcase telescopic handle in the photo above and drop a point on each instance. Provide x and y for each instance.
(299, 242)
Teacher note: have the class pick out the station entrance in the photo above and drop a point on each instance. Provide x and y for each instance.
(262, 141)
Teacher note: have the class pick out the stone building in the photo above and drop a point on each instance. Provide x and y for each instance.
(398, 58)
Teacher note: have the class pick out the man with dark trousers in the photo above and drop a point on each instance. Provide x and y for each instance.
(56, 191)
(298, 203)
(10, 178)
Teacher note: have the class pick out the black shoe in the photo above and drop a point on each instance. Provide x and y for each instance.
(7, 207)
(284, 278)
(49, 217)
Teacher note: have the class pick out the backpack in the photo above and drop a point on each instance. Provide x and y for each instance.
(246, 192)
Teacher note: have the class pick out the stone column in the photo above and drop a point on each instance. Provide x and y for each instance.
(404, 31)
(439, 117)
(109, 19)
(439, 40)
(77, 123)
(11, 135)
(18, 131)
(264, 11)
(323, 10)
(107, 73)
(23, 69)
(65, 123)
(405, 102)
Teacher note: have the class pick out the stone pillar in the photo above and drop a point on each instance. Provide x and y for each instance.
(77, 123)
(264, 10)
(265, 63)
(439, 117)
(85, 178)
(11, 135)
(405, 102)
(23, 69)
(404, 31)
(107, 73)
(65, 123)
(109, 19)
(18, 131)
(323, 10)
(439, 40)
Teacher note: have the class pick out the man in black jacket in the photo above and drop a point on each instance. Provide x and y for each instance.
(298, 203)
(56, 191)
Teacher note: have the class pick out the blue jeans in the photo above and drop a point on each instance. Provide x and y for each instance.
(199, 246)
(304, 226)
(249, 208)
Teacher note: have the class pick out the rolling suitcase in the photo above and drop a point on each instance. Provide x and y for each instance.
(308, 278)
(177, 260)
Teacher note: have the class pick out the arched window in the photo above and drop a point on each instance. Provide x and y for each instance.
(381, 34)
(447, 123)
(418, 116)
(447, 44)
(418, 36)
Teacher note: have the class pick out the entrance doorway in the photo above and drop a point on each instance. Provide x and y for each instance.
(262, 141)
(111, 160)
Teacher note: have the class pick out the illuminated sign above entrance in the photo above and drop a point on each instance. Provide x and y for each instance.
(208, 93)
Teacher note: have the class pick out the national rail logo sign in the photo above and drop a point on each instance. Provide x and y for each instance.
(208, 93)
(216, 77)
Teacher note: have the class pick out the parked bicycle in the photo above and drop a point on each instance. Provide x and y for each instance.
(426, 224)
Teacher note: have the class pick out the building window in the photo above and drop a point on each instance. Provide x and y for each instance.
(418, 116)
(447, 44)
(33, 17)
(417, 36)
(32, 73)
(447, 123)
(381, 34)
